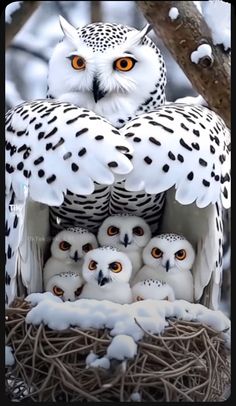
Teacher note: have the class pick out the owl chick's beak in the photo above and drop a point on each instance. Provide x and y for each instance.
(98, 93)
(102, 280)
(167, 266)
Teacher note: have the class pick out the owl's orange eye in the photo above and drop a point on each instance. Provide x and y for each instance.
(112, 230)
(64, 245)
(77, 62)
(87, 247)
(92, 265)
(124, 64)
(138, 231)
(115, 267)
(156, 252)
(180, 255)
(57, 291)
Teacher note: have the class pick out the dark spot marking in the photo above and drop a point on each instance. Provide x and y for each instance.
(148, 160)
(9, 251)
(67, 155)
(184, 127)
(195, 145)
(202, 162)
(37, 126)
(225, 193)
(41, 173)
(15, 221)
(154, 141)
(58, 144)
(99, 137)
(205, 183)
(171, 156)
(51, 133)
(212, 149)
(52, 120)
(128, 135)
(190, 176)
(183, 143)
(48, 146)
(84, 130)
(82, 152)
(180, 158)
(74, 167)
(137, 139)
(26, 173)
(165, 168)
(196, 132)
(51, 179)
(41, 135)
(39, 160)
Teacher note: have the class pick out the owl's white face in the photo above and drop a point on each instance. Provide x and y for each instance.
(169, 252)
(110, 76)
(105, 265)
(70, 246)
(126, 233)
(67, 286)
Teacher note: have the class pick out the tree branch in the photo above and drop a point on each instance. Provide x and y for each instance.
(19, 18)
(182, 36)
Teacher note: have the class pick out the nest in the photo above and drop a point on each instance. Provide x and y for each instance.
(188, 362)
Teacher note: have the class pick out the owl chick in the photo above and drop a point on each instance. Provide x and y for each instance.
(169, 258)
(152, 289)
(107, 272)
(66, 285)
(68, 249)
(130, 234)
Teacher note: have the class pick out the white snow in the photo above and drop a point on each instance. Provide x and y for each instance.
(9, 357)
(10, 9)
(197, 100)
(122, 347)
(103, 362)
(135, 397)
(91, 358)
(202, 51)
(173, 13)
(217, 16)
(125, 319)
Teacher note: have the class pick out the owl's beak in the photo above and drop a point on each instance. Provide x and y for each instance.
(76, 256)
(98, 93)
(167, 266)
(126, 241)
(102, 280)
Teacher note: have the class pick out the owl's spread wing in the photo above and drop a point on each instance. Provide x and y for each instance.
(185, 150)
(52, 147)
(182, 146)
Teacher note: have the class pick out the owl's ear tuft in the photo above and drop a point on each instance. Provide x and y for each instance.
(135, 37)
(68, 29)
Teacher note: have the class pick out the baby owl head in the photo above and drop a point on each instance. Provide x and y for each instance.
(169, 252)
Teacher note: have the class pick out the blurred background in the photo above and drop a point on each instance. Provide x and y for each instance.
(28, 55)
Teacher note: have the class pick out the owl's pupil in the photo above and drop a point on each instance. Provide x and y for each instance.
(123, 63)
(80, 62)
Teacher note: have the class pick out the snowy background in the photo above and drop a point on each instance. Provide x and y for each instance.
(27, 56)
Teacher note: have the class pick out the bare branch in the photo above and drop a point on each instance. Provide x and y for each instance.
(33, 52)
(182, 36)
(19, 18)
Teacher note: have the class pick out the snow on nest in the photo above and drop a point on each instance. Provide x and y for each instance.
(150, 314)
(10, 9)
(9, 357)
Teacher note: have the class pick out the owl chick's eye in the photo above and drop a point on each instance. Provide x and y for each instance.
(112, 230)
(180, 255)
(138, 231)
(58, 291)
(124, 64)
(77, 62)
(92, 265)
(64, 245)
(156, 252)
(115, 267)
(87, 247)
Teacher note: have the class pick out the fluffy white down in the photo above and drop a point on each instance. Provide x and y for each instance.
(120, 319)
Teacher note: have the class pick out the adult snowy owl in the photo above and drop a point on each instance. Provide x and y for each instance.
(67, 252)
(86, 156)
(107, 272)
(127, 233)
(66, 285)
(169, 258)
